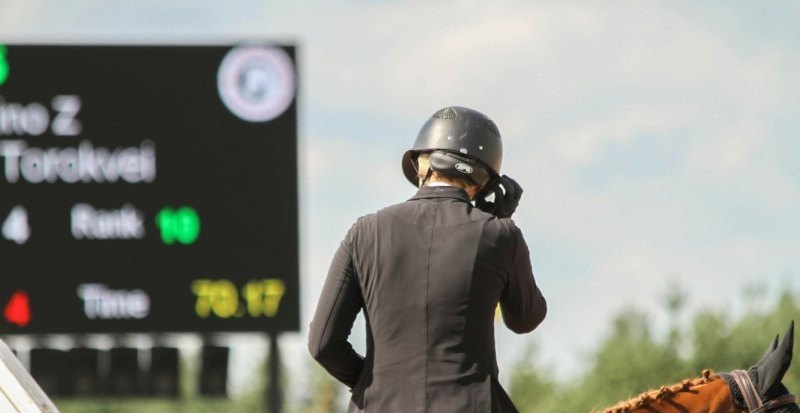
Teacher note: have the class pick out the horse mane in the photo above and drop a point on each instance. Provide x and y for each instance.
(664, 392)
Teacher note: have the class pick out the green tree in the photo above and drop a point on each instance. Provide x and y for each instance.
(628, 362)
(532, 387)
(631, 360)
(323, 394)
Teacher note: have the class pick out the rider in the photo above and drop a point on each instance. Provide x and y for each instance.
(429, 273)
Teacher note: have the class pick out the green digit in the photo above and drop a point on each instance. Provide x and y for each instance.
(4, 69)
(187, 225)
(165, 221)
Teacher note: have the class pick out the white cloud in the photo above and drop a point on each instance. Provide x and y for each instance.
(582, 143)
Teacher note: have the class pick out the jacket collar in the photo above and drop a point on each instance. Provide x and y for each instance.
(428, 192)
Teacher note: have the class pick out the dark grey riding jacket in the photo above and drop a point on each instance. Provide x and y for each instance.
(428, 274)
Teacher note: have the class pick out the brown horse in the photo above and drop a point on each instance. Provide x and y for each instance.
(758, 390)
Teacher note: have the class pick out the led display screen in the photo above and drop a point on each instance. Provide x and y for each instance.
(148, 189)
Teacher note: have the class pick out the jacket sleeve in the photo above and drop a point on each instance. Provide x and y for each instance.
(338, 306)
(522, 303)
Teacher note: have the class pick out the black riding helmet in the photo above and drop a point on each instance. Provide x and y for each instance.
(463, 143)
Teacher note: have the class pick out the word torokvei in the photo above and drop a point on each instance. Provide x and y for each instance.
(84, 163)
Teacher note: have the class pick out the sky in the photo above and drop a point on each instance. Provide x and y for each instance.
(656, 141)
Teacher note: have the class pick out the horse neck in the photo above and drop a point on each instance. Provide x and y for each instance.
(711, 397)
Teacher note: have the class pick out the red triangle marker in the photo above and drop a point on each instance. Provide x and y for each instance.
(18, 309)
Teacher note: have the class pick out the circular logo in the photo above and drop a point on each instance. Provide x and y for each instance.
(463, 168)
(256, 83)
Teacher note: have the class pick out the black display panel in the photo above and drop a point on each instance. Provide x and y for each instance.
(148, 189)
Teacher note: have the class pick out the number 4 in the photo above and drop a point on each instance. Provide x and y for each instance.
(15, 227)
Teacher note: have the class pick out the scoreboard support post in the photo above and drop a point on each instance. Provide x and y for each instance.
(274, 388)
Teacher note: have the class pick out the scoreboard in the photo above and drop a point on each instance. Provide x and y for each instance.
(148, 189)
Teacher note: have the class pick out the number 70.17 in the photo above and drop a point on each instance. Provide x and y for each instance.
(221, 298)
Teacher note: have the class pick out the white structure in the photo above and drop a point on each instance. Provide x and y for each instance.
(19, 393)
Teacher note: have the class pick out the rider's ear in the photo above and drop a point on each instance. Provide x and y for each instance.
(771, 369)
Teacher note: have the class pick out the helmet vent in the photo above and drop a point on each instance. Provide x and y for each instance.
(446, 113)
(493, 128)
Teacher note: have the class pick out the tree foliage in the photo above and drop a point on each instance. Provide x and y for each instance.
(631, 360)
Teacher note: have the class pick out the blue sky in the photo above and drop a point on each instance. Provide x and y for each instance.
(656, 141)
